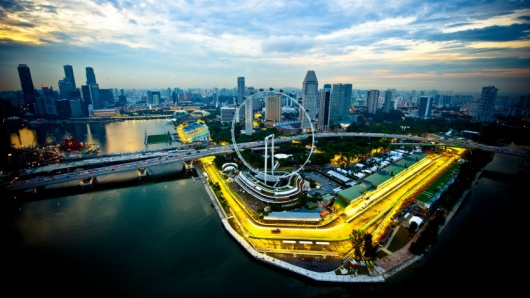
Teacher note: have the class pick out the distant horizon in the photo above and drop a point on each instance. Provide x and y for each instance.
(404, 45)
(285, 89)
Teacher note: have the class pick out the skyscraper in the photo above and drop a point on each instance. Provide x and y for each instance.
(47, 101)
(67, 85)
(388, 101)
(273, 108)
(324, 107)
(66, 88)
(69, 74)
(249, 116)
(93, 89)
(90, 76)
(28, 90)
(372, 100)
(425, 107)
(486, 104)
(340, 102)
(309, 100)
(241, 92)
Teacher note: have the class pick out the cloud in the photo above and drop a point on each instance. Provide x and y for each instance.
(176, 43)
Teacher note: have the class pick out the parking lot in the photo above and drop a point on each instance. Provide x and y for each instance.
(327, 186)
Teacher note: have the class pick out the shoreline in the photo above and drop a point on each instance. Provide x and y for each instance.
(384, 268)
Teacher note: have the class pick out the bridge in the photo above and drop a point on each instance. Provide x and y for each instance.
(87, 170)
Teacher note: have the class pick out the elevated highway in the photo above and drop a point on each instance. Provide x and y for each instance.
(98, 166)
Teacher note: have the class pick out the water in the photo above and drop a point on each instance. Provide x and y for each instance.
(114, 137)
(163, 239)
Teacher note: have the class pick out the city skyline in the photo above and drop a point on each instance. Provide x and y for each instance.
(406, 45)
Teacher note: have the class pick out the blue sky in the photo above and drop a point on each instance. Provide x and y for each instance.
(372, 44)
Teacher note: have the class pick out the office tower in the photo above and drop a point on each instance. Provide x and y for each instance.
(486, 104)
(94, 95)
(324, 108)
(340, 103)
(309, 100)
(425, 107)
(91, 98)
(388, 101)
(273, 108)
(63, 108)
(28, 90)
(66, 88)
(106, 97)
(86, 102)
(227, 114)
(154, 97)
(90, 76)
(240, 90)
(76, 108)
(122, 100)
(249, 116)
(371, 101)
(215, 99)
(69, 74)
(47, 101)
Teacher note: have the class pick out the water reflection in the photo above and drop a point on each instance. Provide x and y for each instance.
(114, 137)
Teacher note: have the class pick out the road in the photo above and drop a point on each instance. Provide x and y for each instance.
(93, 167)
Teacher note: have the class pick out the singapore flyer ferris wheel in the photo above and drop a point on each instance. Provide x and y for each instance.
(268, 175)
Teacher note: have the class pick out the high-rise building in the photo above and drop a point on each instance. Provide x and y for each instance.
(69, 74)
(76, 108)
(340, 102)
(94, 95)
(28, 90)
(66, 88)
(249, 116)
(388, 101)
(425, 107)
(372, 101)
(227, 114)
(154, 97)
(486, 104)
(273, 108)
(47, 101)
(309, 100)
(241, 91)
(67, 85)
(106, 98)
(93, 90)
(63, 108)
(90, 76)
(324, 107)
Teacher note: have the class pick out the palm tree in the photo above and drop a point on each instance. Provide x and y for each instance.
(358, 239)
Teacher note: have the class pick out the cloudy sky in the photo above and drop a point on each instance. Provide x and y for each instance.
(457, 45)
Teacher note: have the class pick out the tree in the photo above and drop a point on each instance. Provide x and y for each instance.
(358, 239)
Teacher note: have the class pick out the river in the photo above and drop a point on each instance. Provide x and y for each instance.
(162, 238)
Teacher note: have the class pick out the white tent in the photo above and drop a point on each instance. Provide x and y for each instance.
(416, 219)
